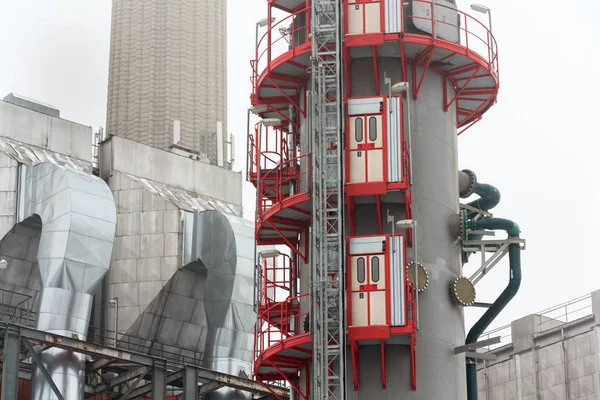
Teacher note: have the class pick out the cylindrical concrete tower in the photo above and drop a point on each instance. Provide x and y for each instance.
(370, 95)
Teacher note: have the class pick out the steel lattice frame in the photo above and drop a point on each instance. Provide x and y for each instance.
(327, 286)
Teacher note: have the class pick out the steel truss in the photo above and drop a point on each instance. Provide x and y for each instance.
(21, 344)
(327, 281)
(498, 248)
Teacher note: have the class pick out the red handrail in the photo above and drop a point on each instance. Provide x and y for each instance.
(485, 45)
(278, 323)
(276, 34)
(272, 183)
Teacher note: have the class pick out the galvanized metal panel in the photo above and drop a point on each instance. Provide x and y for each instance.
(393, 16)
(397, 263)
(365, 106)
(367, 245)
(394, 145)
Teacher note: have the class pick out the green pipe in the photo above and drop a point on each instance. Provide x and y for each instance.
(489, 197)
(514, 255)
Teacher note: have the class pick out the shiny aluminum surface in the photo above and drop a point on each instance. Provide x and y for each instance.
(224, 245)
(78, 217)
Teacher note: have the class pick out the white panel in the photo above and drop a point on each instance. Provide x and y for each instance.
(396, 260)
(176, 131)
(367, 245)
(393, 16)
(220, 144)
(445, 14)
(373, 18)
(359, 310)
(394, 144)
(355, 19)
(371, 105)
(378, 308)
(375, 165)
(357, 167)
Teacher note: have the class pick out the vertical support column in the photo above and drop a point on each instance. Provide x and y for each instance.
(190, 383)
(327, 250)
(10, 366)
(159, 383)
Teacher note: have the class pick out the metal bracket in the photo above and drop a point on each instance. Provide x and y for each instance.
(480, 356)
(481, 305)
(476, 210)
(477, 345)
(499, 248)
(43, 369)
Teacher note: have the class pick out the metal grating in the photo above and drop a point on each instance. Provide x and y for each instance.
(327, 286)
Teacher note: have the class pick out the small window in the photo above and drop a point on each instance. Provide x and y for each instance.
(360, 270)
(358, 130)
(375, 270)
(372, 129)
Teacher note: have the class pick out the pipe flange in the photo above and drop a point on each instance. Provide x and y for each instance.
(423, 275)
(472, 184)
(464, 232)
(463, 291)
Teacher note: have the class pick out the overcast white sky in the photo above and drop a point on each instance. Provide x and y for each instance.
(539, 145)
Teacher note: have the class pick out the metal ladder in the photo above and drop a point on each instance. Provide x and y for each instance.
(327, 279)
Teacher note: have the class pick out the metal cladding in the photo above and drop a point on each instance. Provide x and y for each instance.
(224, 246)
(78, 218)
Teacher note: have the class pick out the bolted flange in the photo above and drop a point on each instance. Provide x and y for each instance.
(423, 275)
(463, 291)
(472, 184)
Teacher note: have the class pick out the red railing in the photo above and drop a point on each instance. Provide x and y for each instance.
(279, 322)
(267, 149)
(288, 178)
(277, 275)
(281, 37)
(473, 34)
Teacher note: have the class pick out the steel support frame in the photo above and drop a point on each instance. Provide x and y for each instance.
(499, 249)
(10, 368)
(39, 365)
(142, 365)
(327, 250)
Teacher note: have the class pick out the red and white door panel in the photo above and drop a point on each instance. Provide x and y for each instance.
(377, 280)
(368, 281)
(365, 147)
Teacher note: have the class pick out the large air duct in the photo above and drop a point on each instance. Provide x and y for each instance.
(224, 245)
(78, 217)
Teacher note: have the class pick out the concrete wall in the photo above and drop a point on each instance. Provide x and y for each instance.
(41, 130)
(147, 251)
(118, 154)
(546, 361)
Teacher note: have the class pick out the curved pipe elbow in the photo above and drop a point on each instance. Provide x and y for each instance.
(489, 196)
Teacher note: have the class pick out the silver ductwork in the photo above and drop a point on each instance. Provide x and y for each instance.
(224, 246)
(78, 218)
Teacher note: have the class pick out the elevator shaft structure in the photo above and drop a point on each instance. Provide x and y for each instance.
(327, 278)
(356, 170)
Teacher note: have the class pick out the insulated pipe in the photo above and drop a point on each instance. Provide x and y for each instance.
(78, 217)
(225, 246)
(514, 255)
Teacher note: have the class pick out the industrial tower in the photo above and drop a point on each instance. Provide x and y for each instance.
(355, 164)
(167, 84)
